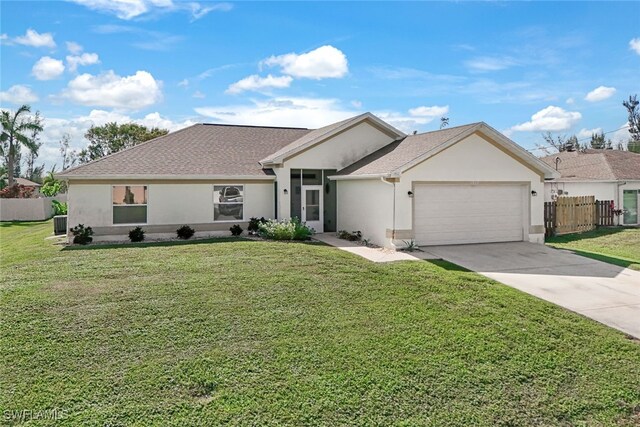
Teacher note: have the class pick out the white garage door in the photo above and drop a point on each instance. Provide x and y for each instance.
(464, 213)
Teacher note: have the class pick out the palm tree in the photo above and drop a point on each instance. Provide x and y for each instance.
(13, 135)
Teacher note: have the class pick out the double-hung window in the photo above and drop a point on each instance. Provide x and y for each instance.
(129, 204)
(228, 202)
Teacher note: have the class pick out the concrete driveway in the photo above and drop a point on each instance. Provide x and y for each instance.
(604, 292)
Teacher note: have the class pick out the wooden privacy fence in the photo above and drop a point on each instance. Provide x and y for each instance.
(576, 214)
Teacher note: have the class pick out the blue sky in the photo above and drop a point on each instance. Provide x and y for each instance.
(524, 68)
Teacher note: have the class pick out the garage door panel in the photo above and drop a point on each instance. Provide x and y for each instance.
(456, 214)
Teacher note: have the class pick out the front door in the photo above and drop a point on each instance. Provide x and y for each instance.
(312, 209)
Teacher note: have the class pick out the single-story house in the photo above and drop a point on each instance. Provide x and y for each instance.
(464, 184)
(606, 174)
(27, 184)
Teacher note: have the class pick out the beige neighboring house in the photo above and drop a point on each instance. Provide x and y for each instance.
(466, 184)
(605, 174)
(29, 184)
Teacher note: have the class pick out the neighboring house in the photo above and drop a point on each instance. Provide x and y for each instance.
(605, 174)
(464, 184)
(34, 186)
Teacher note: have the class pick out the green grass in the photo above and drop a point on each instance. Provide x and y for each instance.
(619, 246)
(236, 332)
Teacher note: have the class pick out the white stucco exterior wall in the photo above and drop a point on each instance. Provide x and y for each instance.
(338, 152)
(472, 160)
(168, 204)
(601, 190)
(366, 206)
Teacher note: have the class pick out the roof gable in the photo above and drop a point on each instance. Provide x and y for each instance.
(322, 134)
(401, 156)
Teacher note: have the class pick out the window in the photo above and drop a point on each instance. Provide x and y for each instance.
(129, 204)
(228, 202)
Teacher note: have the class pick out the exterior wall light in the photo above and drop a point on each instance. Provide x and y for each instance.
(534, 193)
(285, 191)
(410, 193)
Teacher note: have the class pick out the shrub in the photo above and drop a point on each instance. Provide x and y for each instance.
(288, 229)
(351, 236)
(236, 230)
(16, 191)
(254, 224)
(81, 234)
(185, 232)
(59, 208)
(136, 235)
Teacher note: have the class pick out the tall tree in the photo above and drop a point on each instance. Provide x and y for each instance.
(16, 131)
(69, 156)
(599, 142)
(33, 172)
(634, 122)
(112, 137)
(560, 143)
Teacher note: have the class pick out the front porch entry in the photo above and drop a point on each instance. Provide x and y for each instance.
(313, 198)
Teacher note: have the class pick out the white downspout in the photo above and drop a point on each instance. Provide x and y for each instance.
(393, 221)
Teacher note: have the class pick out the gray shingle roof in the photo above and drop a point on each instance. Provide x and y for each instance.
(201, 149)
(596, 165)
(399, 153)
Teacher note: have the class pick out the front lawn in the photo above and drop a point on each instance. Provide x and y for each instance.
(259, 333)
(620, 246)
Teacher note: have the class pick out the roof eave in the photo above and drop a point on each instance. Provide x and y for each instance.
(143, 177)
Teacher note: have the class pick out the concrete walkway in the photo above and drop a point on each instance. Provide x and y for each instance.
(372, 254)
(604, 292)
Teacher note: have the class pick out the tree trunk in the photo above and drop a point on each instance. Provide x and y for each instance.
(10, 162)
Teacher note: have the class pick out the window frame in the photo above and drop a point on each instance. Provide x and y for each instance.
(215, 202)
(146, 205)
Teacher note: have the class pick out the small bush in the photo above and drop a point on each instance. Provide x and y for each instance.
(288, 229)
(351, 236)
(59, 208)
(16, 191)
(254, 224)
(81, 235)
(185, 232)
(136, 235)
(236, 230)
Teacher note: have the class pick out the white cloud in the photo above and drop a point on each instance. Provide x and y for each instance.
(356, 103)
(47, 68)
(415, 120)
(73, 47)
(550, 119)
(76, 127)
(570, 101)
(586, 133)
(110, 90)
(198, 94)
(255, 83)
(73, 61)
(634, 45)
(281, 111)
(129, 9)
(18, 94)
(429, 113)
(34, 39)
(320, 63)
(486, 63)
(600, 94)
